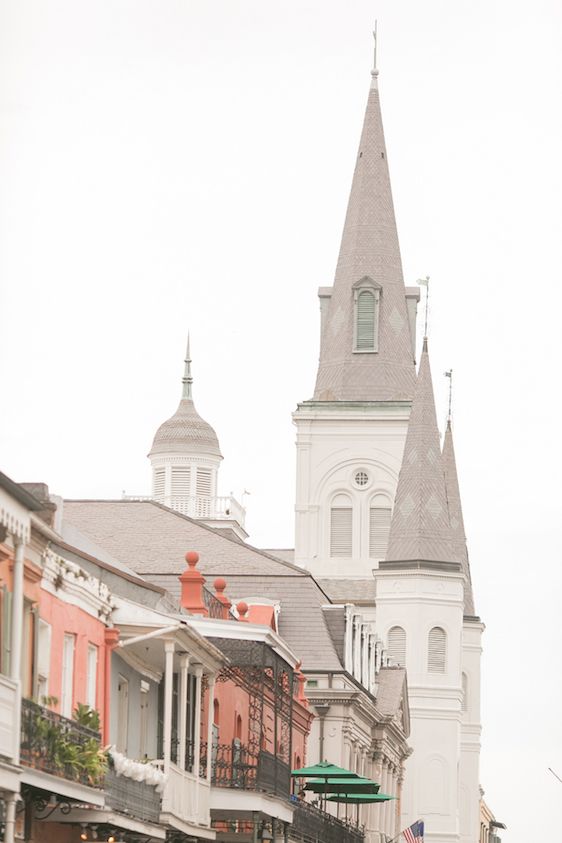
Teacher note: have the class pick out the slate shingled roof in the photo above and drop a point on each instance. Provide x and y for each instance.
(185, 431)
(369, 247)
(460, 552)
(390, 681)
(152, 540)
(357, 591)
(420, 528)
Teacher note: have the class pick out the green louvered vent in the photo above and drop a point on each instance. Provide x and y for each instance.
(365, 331)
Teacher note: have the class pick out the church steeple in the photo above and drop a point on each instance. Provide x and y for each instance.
(460, 552)
(366, 345)
(420, 528)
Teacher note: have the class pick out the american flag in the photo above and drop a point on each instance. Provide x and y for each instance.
(414, 834)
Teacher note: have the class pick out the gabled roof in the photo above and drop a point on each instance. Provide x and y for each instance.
(460, 552)
(420, 528)
(369, 249)
(152, 540)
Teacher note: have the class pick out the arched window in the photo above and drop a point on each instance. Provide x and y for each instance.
(464, 703)
(379, 526)
(366, 300)
(437, 650)
(397, 645)
(341, 524)
(238, 728)
(216, 712)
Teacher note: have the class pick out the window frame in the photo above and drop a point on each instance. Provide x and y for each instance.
(366, 285)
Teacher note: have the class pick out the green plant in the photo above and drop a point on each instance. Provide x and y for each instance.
(86, 716)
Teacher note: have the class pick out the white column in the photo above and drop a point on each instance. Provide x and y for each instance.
(197, 732)
(169, 647)
(384, 812)
(210, 716)
(10, 824)
(17, 611)
(184, 666)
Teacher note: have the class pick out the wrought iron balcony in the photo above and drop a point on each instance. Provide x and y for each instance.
(59, 746)
(311, 825)
(136, 799)
(233, 765)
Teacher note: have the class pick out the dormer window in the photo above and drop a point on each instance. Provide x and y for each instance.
(366, 295)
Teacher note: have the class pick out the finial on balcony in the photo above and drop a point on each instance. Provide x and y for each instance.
(242, 609)
(220, 585)
(192, 582)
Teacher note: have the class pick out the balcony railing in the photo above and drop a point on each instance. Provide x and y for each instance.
(221, 508)
(136, 799)
(233, 765)
(59, 746)
(311, 825)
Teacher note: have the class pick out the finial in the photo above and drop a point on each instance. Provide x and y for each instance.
(374, 71)
(424, 282)
(187, 380)
(449, 375)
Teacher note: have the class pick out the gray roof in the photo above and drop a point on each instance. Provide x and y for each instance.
(334, 617)
(185, 432)
(358, 591)
(420, 528)
(460, 552)
(152, 540)
(391, 690)
(369, 247)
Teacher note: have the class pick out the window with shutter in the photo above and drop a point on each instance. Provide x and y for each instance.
(181, 480)
(158, 483)
(365, 321)
(341, 523)
(67, 674)
(397, 645)
(437, 650)
(379, 528)
(203, 482)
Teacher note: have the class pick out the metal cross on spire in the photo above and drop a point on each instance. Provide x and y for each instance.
(375, 48)
(449, 375)
(424, 282)
(187, 379)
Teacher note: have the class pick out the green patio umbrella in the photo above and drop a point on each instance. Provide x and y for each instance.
(359, 784)
(360, 798)
(323, 770)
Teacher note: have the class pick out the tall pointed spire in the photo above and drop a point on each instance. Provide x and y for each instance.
(369, 253)
(187, 379)
(460, 552)
(420, 528)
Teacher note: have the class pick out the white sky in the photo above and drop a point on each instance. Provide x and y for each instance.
(186, 163)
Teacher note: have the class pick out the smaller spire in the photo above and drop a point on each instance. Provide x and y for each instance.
(374, 71)
(187, 379)
(449, 374)
(424, 282)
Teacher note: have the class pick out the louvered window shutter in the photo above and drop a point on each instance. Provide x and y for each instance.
(397, 645)
(365, 327)
(379, 528)
(181, 478)
(204, 482)
(340, 531)
(159, 483)
(437, 650)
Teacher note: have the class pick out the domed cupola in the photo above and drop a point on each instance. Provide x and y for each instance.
(185, 457)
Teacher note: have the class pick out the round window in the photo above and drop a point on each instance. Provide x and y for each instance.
(361, 478)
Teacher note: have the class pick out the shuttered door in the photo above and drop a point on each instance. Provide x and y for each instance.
(181, 478)
(365, 329)
(158, 483)
(379, 528)
(397, 645)
(340, 531)
(437, 650)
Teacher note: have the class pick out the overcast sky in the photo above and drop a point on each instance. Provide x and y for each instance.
(182, 164)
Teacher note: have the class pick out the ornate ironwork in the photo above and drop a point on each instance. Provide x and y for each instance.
(214, 606)
(57, 745)
(235, 765)
(310, 825)
(137, 799)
